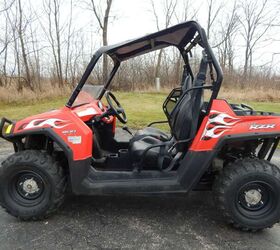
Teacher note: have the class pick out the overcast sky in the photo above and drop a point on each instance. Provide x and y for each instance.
(134, 18)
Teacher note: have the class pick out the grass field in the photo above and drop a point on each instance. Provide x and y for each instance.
(141, 108)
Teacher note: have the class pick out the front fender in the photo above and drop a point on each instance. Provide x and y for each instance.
(78, 169)
(63, 126)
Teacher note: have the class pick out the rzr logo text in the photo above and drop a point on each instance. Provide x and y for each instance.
(262, 126)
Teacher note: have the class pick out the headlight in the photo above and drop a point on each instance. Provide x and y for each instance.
(8, 129)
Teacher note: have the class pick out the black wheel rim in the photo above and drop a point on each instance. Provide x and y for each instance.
(27, 188)
(255, 199)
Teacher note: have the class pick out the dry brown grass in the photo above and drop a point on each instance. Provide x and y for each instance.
(260, 94)
(10, 94)
(257, 94)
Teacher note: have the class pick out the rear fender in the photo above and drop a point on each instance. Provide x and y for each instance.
(222, 124)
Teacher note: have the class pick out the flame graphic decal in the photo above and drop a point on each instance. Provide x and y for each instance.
(217, 124)
(53, 122)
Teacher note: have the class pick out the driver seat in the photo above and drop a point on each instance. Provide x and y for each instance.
(151, 147)
(156, 132)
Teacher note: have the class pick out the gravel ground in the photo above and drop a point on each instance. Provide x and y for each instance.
(107, 222)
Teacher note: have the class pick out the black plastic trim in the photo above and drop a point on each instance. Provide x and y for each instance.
(192, 167)
(242, 137)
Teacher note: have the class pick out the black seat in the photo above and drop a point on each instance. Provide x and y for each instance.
(138, 147)
(153, 132)
(156, 132)
(183, 121)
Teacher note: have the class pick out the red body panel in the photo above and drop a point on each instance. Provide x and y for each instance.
(223, 121)
(69, 124)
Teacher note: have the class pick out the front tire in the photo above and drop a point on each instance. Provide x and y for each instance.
(32, 185)
(248, 194)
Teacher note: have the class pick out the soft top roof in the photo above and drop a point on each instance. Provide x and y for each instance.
(179, 35)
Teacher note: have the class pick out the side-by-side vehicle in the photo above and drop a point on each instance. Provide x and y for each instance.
(212, 144)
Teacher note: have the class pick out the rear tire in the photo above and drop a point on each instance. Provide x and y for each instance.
(32, 185)
(248, 194)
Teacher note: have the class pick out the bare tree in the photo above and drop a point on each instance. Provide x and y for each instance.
(102, 17)
(213, 13)
(52, 8)
(18, 22)
(188, 12)
(228, 27)
(7, 6)
(68, 41)
(4, 50)
(12, 20)
(256, 19)
(168, 11)
(36, 67)
(76, 61)
(21, 30)
(52, 48)
(6, 40)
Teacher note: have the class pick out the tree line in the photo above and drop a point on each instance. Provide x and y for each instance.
(41, 45)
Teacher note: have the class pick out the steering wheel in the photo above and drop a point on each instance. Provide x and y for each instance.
(116, 108)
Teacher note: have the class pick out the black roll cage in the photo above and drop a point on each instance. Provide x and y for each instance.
(189, 40)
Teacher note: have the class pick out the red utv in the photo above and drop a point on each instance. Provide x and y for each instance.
(212, 144)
